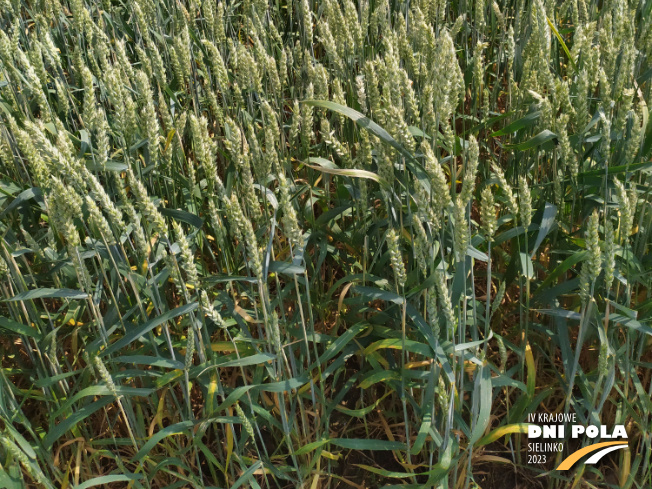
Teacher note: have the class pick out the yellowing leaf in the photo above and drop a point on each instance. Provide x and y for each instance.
(502, 431)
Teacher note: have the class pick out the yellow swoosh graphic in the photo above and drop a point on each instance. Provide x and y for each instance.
(574, 457)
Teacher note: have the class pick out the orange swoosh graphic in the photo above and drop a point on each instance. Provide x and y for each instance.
(574, 457)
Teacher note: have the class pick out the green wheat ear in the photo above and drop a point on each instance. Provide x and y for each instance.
(396, 258)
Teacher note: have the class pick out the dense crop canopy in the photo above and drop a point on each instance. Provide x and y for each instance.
(322, 243)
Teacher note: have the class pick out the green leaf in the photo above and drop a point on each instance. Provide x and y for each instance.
(108, 479)
(247, 476)
(73, 419)
(415, 131)
(541, 138)
(510, 234)
(110, 165)
(311, 446)
(145, 328)
(48, 381)
(614, 170)
(630, 313)
(477, 254)
(256, 359)
(376, 376)
(342, 340)
(362, 412)
(397, 344)
(101, 390)
(152, 361)
(482, 395)
(372, 294)
(630, 323)
(562, 43)
(11, 481)
(232, 361)
(527, 269)
(562, 313)
(22, 198)
(182, 216)
(439, 471)
(471, 344)
(46, 293)
(19, 328)
(138, 145)
(367, 444)
(286, 268)
(174, 429)
(523, 122)
(8, 188)
(562, 268)
(547, 221)
(284, 385)
(22, 442)
(218, 279)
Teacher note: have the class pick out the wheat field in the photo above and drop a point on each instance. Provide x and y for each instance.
(323, 244)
